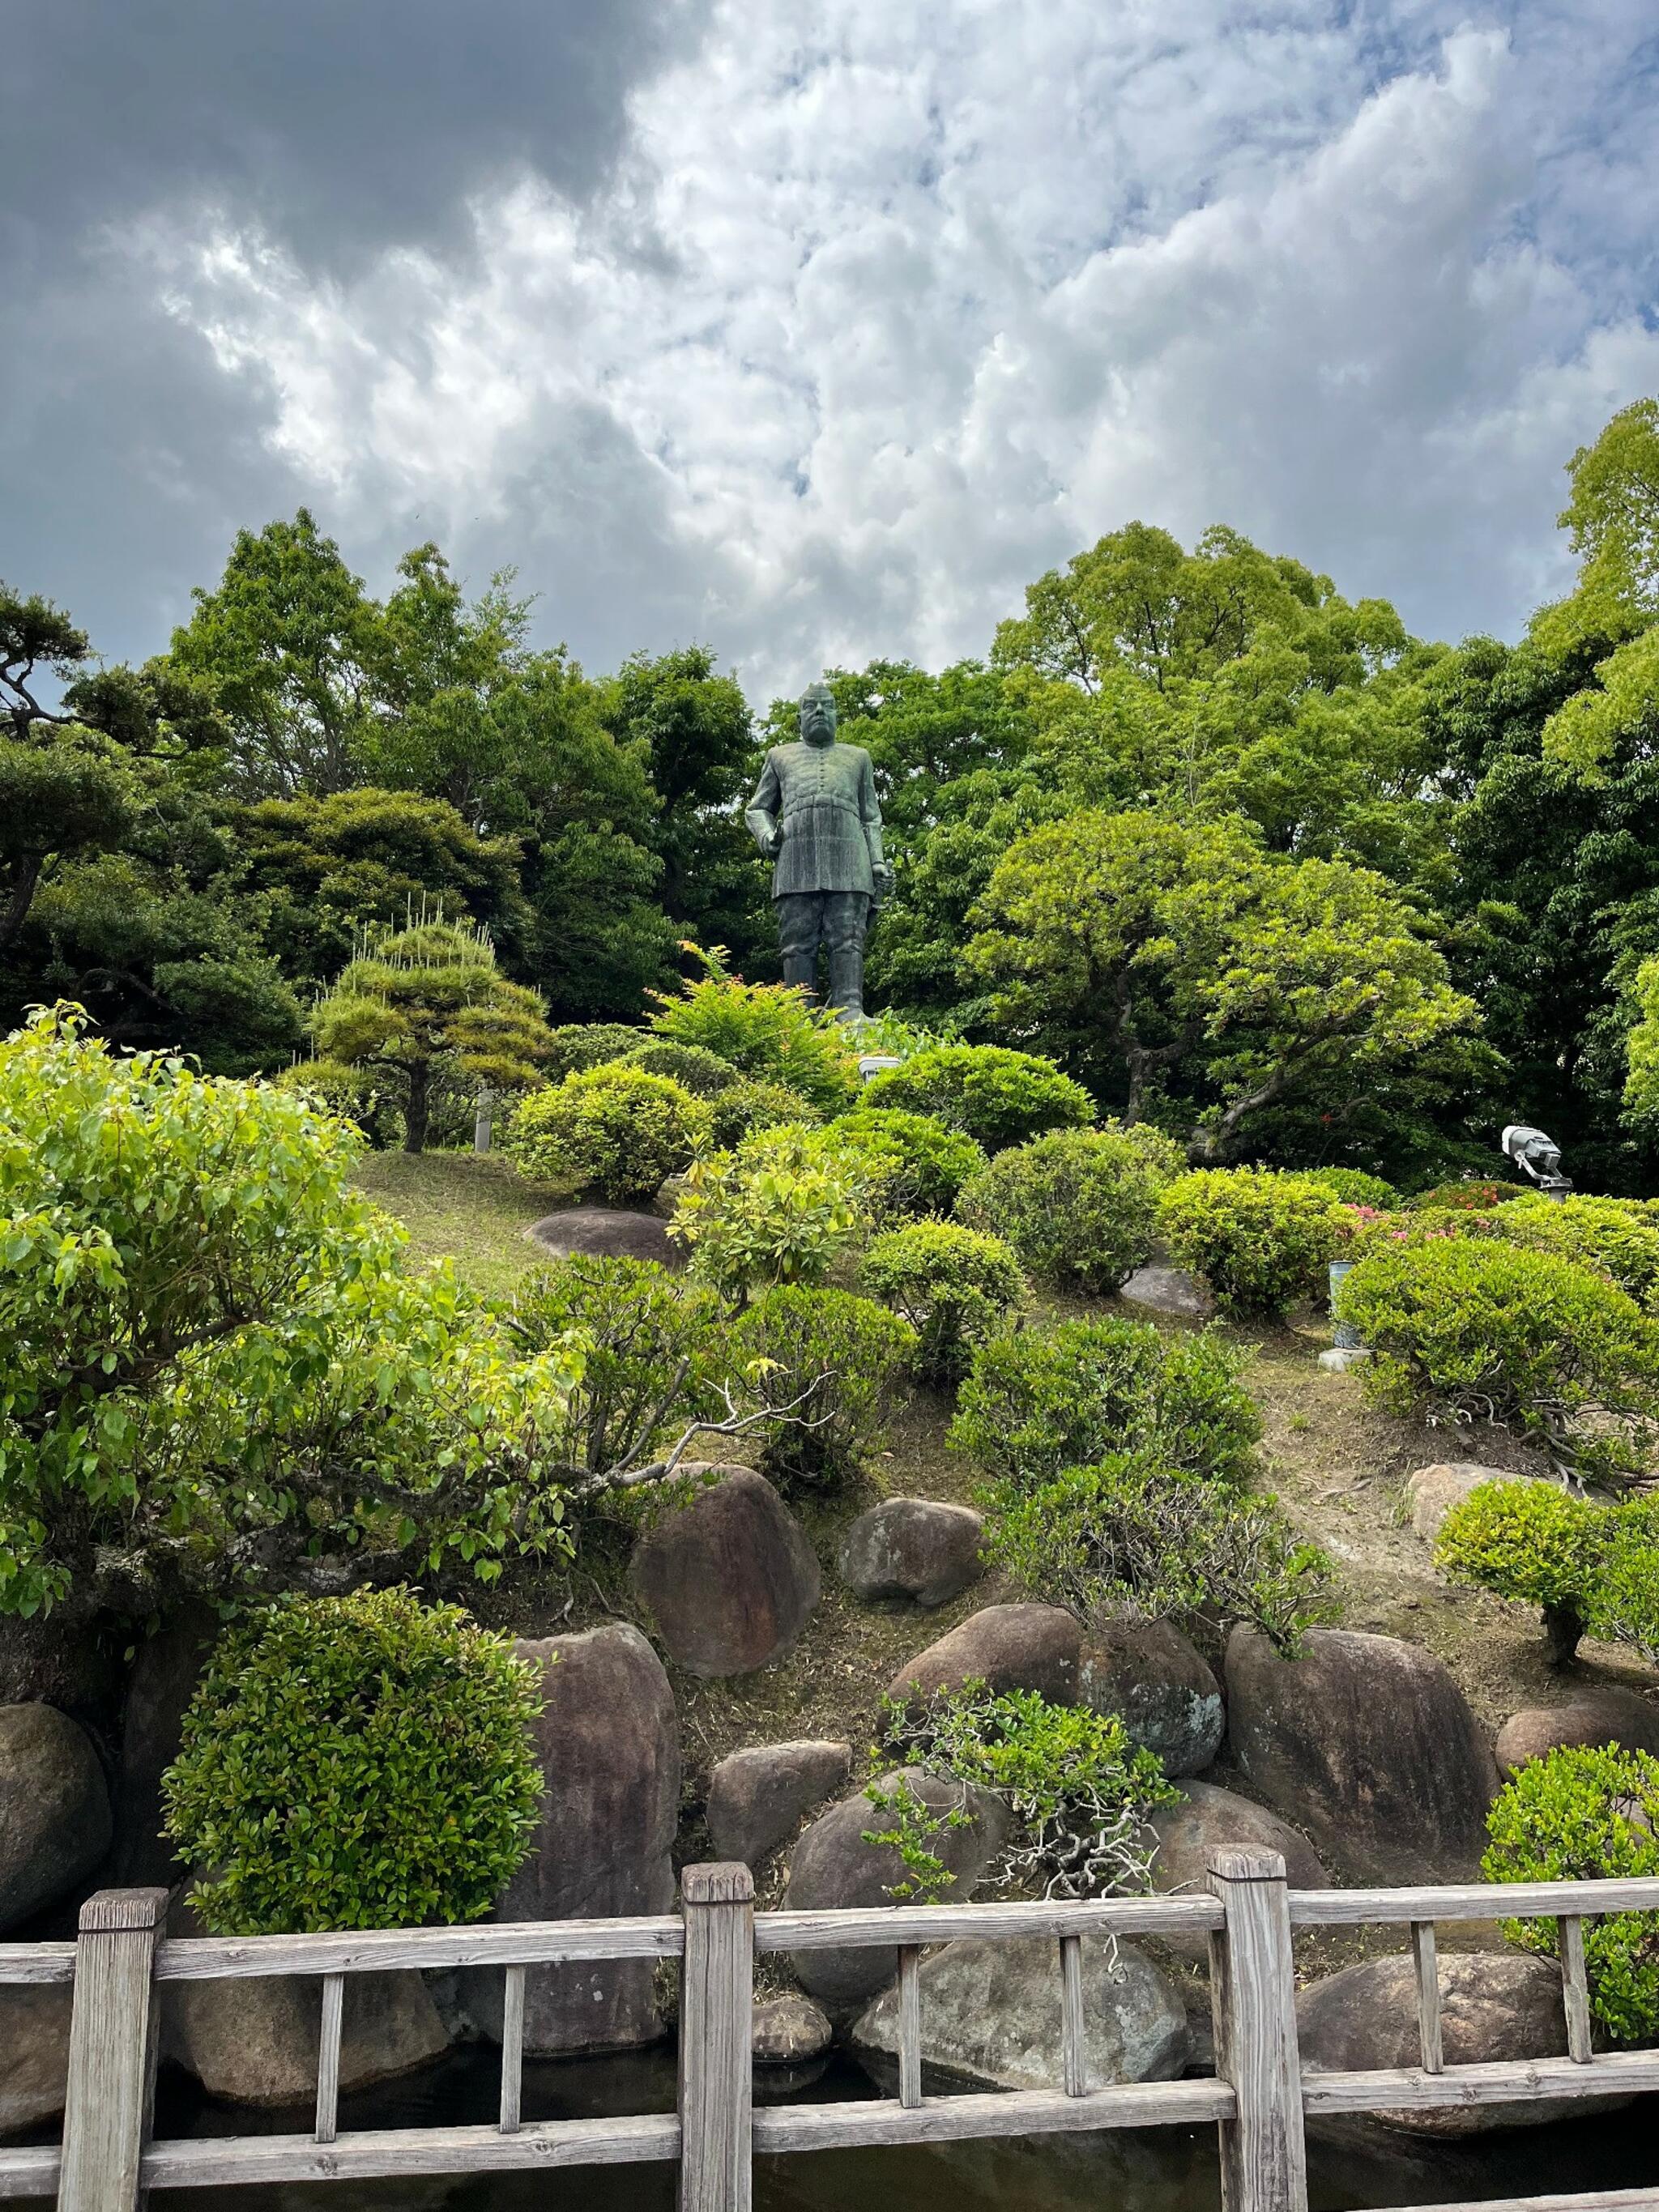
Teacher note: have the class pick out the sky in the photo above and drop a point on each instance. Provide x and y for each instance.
(814, 330)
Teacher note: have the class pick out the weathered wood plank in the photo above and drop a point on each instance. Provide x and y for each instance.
(1004, 2113)
(512, 2050)
(112, 2051)
(1264, 2160)
(1073, 2047)
(909, 2025)
(328, 2059)
(1574, 1988)
(943, 1924)
(36, 1963)
(387, 1950)
(1428, 1995)
(1470, 1900)
(717, 2001)
(1611, 2074)
(364, 2155)
(1594, 2200)
(30, 2172)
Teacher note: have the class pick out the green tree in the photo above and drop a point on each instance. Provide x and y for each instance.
(425, 997)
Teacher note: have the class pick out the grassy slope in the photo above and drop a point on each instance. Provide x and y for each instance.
(474, 1211)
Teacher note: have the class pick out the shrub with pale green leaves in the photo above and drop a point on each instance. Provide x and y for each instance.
(1534, 1541)
(703, 1073)
(839, 1363)
(613, 1131)
(1262, 1241)
(578, 1046)
(355, 1762)
(1078, 1205)
(917, 1163)
(1618, 1237)
(954, 1287)
(752, 1104)
(996, 1096)
(765, 1030)
(778, 1209)
(1354, 1187)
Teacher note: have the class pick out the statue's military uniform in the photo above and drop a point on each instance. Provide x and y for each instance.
(815, 815)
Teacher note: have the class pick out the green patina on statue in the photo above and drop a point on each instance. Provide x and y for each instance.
(814, 815)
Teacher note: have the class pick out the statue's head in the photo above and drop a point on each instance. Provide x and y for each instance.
(818, 714)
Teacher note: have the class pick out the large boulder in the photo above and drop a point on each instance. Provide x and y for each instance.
(1160, 1687)
(1493, 2004)
(255, 2042)
(832, 1866)
(758, 1798)
(165, 1671)
(1159, 1288)
(912, 1547)
(50, 1659)
(1207, 1819)
(788, 2031)
(609, 1231)
(991, 2016)
(1368, 1744)
(1007, 1647)
(55, 1824)
(609, 1748)
(729, 1578)
(1432, 1491)
(1599, 1713)
(34, 2033)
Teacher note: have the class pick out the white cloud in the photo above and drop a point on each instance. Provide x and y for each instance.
(872, 328)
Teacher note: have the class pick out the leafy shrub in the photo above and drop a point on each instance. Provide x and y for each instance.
(650, 1353)
(1132, 1535)
(1530, 1540)
(776, 1210)
(1077, 1792)
(996, 1096)
(767, 1029)
(367, 1098)
(615, 1131)
(954, 1287)
(703, 1073)
(581, 1045)
(1624, 1597)
(1078, 1205)
(839, 1361)
(1618, 1237)
(1261, 1240)
(1467, 1197)
(753, 1103)
(1354, 1187)
(919, 1163)
(1480, 1328)
(1040, 1402)
(355, 1762)
(1587, 1814)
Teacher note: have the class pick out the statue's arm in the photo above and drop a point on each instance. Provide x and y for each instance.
(870, 815)
(762, 812)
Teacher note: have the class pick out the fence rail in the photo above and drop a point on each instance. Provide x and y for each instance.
(1259, 2099)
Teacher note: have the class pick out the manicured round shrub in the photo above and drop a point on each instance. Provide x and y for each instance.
(1038, 1402)
(996, 1096)
(1467, 1197)
(778, 1209)
(918, 1162)
(839, 1361)
(766, 1030)
(1534, 1541)
(703, 1073)
(1262, 1241)
(581, 1045)
(1078, 1205)
(954, 1287)
(1354, 1187)
(753, 1103)
(1133, 1536)
(354, 1762)
(1480, 1328)
(1624, 1597)
(368, 1098)
(614, 1131)
(1587, 1814)
(1619, 1236)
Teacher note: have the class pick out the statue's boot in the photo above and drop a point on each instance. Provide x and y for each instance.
(801, 969)
(847, 981)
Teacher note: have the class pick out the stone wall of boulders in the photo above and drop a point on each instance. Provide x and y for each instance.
(1361, 1761)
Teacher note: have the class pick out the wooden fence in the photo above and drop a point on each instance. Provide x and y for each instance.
(1258, 2099)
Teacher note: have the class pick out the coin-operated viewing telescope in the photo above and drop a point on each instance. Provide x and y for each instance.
(1538, 1156)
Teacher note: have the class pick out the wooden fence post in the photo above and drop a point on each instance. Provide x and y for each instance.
(113, 2044)
(1264, 2161)
(717, 1993)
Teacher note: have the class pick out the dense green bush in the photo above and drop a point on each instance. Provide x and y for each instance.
(1530, 1540)
(614, 1131)
(752, 1103)
(917, 1163)
(368, 1098)
(1261, 1240)
(651, 1356)
(1619, 1236)
(839, 1361)
(996, 1096)
(703, 1073)
(1587, 1814)
(354, 1762)
(1480, 1328)
(1354, 1187)
(778, 1209)
(1037, 1403)
(955, 1287)
(765, 1030)
(1132, 1535)
(1467, 1197)
(1078, 1205)
(1623, 1599)
(581, 1045)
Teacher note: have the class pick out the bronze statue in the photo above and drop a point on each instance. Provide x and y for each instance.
(814, 815)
